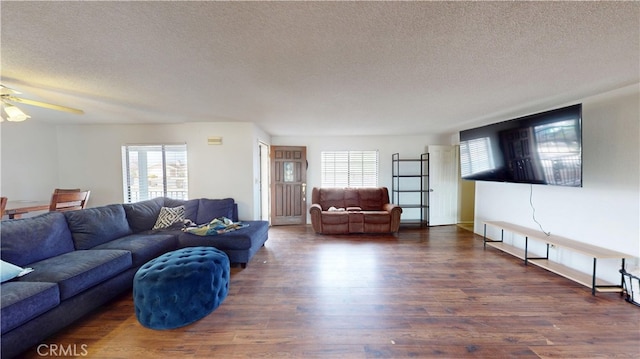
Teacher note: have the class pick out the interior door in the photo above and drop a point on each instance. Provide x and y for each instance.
(288, 185)
(265, 189)
(443, 185)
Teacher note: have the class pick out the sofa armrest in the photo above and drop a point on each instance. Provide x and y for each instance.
(389, 207)
(395, 212)
(316, 217)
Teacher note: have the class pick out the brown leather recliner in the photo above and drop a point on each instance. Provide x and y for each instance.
(353, 210)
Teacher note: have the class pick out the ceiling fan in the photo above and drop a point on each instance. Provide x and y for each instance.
(15, 114)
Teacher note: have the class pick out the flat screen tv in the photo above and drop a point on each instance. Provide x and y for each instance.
(543, 148)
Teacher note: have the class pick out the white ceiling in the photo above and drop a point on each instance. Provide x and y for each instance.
(316, 68)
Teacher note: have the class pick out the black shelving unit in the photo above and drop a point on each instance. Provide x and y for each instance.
(410, 188)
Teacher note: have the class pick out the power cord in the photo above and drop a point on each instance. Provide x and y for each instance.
(533, 212)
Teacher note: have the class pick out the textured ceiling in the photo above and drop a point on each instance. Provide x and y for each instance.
(322, 68)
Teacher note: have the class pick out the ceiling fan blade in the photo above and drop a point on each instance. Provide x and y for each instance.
(44, 104)
(4, 90)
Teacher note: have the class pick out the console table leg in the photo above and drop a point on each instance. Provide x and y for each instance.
(593, 279)
(547, 251)
(622, 279)
(484, 237)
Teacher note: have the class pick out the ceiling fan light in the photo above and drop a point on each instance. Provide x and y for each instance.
(15, 114)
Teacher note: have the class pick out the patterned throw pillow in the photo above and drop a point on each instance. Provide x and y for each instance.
(169, 216)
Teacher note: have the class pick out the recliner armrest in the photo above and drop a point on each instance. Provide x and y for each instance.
(395, 211)
(390, 207)
(316, 217)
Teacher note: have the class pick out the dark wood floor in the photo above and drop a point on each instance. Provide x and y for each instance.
(424, 293)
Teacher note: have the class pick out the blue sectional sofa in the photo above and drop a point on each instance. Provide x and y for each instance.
(82, 259)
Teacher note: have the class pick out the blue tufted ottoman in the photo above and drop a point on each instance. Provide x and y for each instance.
(180, 287)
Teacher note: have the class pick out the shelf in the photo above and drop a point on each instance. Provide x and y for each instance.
(575, 246)
(514, 251)
(595, 252)
(574, 275)
(410, 187)
(412, 221)
(564, 271)
(413, 206)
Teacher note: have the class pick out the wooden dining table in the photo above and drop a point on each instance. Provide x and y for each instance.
(15, 209)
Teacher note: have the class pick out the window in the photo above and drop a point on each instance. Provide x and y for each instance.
(349, 168)
(559, 149)
(481, 148)
(154, 171)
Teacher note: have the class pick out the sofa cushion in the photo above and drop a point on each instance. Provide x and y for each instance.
(231, 240)
(377, 221)
(208, 209)
(238, 239)
(352, 197)
(356, 222)
(239, 245)
(335, 222)
(371, 199)
(79, 270)
(23, 301)
(331, 217)
(94, 226)
(32, 239)
(190, 206)
(143, 246)
(331, 197)
(142, 215)
(377, 217)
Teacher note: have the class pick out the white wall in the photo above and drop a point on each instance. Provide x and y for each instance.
(37, 158)
(29, 160)
(406, 146)
(90, 157)
(606, 210)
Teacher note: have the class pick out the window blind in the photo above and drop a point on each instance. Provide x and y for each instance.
(482, 148)
(349, 169)
(151, 171)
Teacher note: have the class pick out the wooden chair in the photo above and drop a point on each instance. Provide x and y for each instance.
(68, 200)
(3, 205)
(65, 190)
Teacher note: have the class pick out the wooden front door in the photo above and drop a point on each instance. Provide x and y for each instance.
(288, 185)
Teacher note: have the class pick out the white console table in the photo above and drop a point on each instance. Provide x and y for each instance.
(560, 242)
